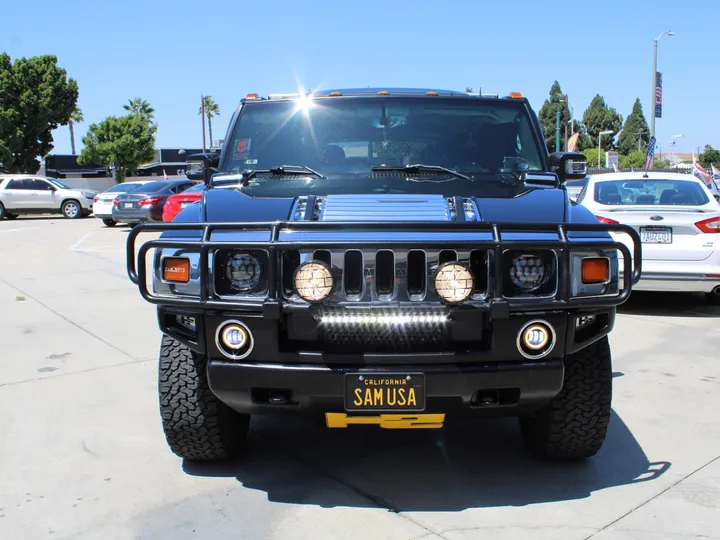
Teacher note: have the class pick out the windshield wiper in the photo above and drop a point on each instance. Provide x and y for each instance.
(301, 170)
(420, 168)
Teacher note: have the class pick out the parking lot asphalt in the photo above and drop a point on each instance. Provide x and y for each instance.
(82, 454)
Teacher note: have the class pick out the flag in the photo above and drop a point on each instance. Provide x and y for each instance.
(650, 153)
(715, 172)
(658, 94)
(699, 171)
(165, 174)
(572, 142)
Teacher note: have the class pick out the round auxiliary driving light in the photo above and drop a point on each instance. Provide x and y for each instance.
(244, 272)
(234, 340)
(313, 281)
(528, 272)
(454, 283)
(536, 339)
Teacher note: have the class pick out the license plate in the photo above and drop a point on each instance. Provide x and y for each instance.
(128, 205)
(656, 235)
(384, 392)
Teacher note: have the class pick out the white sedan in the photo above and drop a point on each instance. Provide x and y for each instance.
(103, 203)
(678, 220)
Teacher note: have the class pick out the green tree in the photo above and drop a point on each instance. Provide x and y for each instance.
(140, 107)
(634, 159)
(212, 109)
(548, 117)
(592, 157)
(75, 118)
(36, 97)
(710, 156)
(125, 141)
(599, 117)
(635, 134)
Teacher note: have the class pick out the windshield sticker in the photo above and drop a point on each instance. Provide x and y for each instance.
(242, 149)
(251, 162)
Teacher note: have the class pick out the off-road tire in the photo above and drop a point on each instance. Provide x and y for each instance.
(109, 222)
(574, 424)
(65, 208)
(197, 425)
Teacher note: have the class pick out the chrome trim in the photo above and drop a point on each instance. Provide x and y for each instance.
(251, 340)
(545, 352)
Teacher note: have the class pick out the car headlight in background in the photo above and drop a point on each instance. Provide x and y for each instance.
(88, 195)
(313, 281)
(244, 272)
(454, 283)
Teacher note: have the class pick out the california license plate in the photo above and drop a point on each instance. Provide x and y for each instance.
(128, 205)
(656, 235)
(384, 392)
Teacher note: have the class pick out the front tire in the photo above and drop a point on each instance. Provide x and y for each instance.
(109, 222)
(72, 209)
(197, 425)
(574, 424)
(3, 212)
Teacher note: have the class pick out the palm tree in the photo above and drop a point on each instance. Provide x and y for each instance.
(141, 107)
(211, 109)
(75, 118)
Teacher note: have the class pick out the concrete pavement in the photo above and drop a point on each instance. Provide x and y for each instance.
(83, 457)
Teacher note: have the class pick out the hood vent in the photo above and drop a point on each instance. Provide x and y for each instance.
(391, 207)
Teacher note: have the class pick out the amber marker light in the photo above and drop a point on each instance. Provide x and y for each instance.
(176, 269)
(595, 270)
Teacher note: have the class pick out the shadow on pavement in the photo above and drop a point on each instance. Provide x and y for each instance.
(669, 304)
(472, 464)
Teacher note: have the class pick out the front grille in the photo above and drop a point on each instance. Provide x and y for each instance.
(384, 275)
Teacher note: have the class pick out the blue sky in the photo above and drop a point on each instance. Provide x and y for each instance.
(170, 53)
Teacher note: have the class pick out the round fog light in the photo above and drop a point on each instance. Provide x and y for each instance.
(536, 339)
(234, 340)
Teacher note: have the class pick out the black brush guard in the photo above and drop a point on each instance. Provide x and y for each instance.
(496, 302)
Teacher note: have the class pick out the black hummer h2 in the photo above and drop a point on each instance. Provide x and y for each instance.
(389, 257)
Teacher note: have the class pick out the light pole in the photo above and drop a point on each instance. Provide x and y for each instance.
(202, 115)
(600, 137)
(672, 147)
(654, 82)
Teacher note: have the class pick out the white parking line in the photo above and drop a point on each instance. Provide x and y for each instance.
(19, 229)
(76, 244)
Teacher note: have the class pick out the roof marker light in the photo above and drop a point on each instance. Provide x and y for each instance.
(252, 96)
(383, 93)
(335, 94)
(431, 93)
(515, 95)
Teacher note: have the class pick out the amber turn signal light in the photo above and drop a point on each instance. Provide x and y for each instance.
(176, 269)
(595, 270)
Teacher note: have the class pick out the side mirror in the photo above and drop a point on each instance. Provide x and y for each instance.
(202, 166)
(568, 165)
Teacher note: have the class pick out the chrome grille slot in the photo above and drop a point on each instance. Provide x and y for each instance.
(416, 273)
(353, 274)
(385, 273)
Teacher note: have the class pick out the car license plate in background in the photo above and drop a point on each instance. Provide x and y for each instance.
(656, 235)
(385, 392)
(128, 205)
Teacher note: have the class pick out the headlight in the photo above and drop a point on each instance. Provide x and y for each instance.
(454, 282)
(88, 195)
(529, 271)
(244, 272)
(313, 281)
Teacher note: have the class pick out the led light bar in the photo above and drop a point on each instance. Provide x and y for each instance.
(383, 319)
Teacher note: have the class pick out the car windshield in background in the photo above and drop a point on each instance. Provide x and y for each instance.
(650, 192)
(348, 136)
(58, 183)
(123, 188)
(152, 187)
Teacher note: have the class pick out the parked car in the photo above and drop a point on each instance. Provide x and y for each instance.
(574, 187)
(175, 203)
(678, 220)
(146, 203)
(31, 194)
(103, 203)
(390, 257)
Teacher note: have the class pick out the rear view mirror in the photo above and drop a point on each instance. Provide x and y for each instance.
(568, 165)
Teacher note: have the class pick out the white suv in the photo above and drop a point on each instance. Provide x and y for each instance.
(30, 194)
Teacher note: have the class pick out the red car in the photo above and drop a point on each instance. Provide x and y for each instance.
(175, 203)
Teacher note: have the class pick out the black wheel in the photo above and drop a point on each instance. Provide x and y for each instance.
(3, 212)
(72, 209)
(197, 425)
(714, 297)
(109, 222)
(574, 424)
(11, 216)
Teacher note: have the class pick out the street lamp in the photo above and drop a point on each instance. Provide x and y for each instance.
(672, 147)
(654, 82)
(600, 137)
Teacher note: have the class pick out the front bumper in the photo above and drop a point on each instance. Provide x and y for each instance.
(484, 389)
(660, 282)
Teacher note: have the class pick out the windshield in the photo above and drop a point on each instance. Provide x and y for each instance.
(58, 183)
(650, 192)
(344, 138)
